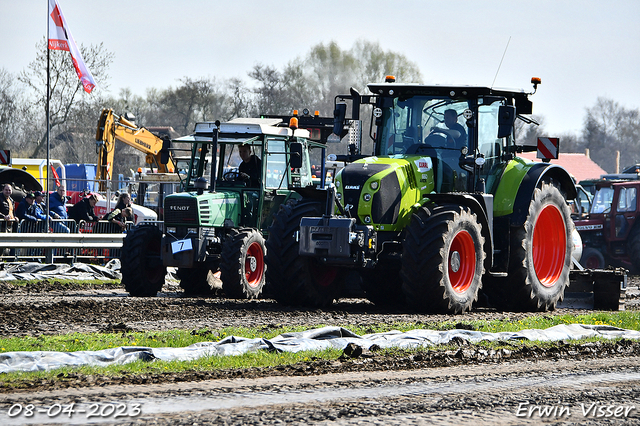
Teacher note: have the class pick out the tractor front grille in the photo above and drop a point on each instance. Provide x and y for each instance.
(181, 210)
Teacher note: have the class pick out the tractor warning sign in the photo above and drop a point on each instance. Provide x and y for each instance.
(5, 156)
(548, 148)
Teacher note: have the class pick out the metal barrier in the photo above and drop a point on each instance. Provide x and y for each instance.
(93, 242)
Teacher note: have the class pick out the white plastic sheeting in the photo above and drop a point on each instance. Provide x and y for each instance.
(316, 339)
(43, 271)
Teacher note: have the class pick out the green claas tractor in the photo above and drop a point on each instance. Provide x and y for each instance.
(441, 209)
(216, 223)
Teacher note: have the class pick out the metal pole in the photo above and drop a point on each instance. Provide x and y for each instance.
(49, 253)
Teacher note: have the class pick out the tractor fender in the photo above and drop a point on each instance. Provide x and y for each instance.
(476, 204)
(532, 179)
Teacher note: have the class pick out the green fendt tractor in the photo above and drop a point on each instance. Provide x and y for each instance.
(216, 223)
(441, 208)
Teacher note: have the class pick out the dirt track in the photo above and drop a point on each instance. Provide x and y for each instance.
(53, 309)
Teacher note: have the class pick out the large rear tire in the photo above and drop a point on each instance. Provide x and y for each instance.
(633, 247)
(442, 260)
(295, 279)
(541, 253)
(142, 270)
(243, 268)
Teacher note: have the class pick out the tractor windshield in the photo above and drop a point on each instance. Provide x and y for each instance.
(434, 121)
(602, 200)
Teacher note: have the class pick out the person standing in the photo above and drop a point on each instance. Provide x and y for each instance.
(58, 209)
(7, 208)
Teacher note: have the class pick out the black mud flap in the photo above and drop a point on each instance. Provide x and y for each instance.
(600, 289)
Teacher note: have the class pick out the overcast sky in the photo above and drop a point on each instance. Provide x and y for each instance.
(582, 49)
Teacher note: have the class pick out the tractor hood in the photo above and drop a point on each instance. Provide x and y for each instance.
(208, 209)
(380, 191)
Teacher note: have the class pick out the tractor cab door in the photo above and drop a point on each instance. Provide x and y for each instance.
(624, 211)
(490, 145)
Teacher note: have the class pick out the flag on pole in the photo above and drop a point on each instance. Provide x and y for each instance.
(60, 38)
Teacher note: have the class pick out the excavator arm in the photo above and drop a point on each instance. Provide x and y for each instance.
(112, 127)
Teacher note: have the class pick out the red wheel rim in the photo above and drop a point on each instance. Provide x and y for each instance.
(549, 246)
(593, 262)
(462, 262)
(254, 265)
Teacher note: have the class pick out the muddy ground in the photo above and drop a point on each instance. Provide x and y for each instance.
(463, 385)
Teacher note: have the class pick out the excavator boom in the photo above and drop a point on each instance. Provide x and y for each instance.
(112, 127)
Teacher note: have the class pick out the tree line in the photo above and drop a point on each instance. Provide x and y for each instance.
(311, 81)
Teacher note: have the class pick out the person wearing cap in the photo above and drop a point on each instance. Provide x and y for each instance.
(31, 214)
(24, 207)
(83, 210)
(250, 167)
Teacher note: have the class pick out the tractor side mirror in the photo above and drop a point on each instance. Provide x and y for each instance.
(295, 155)
(164, 152)
(506, 120)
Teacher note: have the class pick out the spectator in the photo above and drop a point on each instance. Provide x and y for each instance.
(118, 219)
(31, 214)
(57, 209)
(124, 200)
(7, 208)
(83, 210)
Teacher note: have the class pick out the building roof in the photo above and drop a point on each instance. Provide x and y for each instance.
(578, 165)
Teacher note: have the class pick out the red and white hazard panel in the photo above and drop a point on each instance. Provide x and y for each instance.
(548, 148)
(5, 156)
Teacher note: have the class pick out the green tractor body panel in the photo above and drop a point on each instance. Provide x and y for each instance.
(211, 209)
(508, 186)
(383, 190)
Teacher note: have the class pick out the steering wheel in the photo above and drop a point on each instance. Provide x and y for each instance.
(233, 175)
(448, 135)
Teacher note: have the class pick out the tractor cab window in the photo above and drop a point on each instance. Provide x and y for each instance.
(423, 120)
(489, 145)
(242, 162)
(276, 164)
(602, 200)
(627, 200)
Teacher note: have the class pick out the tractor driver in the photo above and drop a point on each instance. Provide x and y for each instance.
(451, 121)
(251, 166)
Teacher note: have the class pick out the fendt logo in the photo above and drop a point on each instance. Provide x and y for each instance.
(180, 208)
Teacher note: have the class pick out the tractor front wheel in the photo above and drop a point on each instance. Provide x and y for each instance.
(442, 260)
(592, 258)
(242, 268)
(541, 252)
(295, 279)
(142, 269)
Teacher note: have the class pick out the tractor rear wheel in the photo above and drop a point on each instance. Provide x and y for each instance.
(633, 247)
(592, 258)
(293, 279)
(195, 281)
(141, 263)
(242, 268)
(442, 260)
(541, 253)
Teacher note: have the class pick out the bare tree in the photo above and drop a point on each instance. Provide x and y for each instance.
(66, 89)
(610, 127)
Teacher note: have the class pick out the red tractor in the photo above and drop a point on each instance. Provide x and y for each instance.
(610, 234)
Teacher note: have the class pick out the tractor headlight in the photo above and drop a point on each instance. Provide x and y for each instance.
(374, 185)
(367, 197)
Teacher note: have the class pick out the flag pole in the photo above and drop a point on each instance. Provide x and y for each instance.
(48, 124)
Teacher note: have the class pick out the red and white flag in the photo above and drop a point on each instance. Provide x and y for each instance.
(60, 38)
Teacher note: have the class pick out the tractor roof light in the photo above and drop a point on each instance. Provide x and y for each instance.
(293, 123)
(535, 81)
(390, 79)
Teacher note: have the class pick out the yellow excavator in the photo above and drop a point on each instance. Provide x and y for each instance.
(112, 127)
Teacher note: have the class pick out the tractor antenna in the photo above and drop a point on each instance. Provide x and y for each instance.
(504, 53)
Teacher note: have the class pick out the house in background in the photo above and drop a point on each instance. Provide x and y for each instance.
(580, 166)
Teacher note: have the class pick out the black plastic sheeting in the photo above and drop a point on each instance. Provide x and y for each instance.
(75, 271)
(316, 339)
